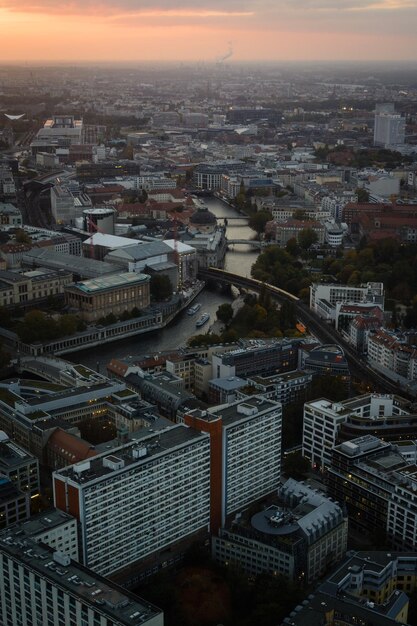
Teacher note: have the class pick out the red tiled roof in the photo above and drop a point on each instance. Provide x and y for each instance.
(70, 447)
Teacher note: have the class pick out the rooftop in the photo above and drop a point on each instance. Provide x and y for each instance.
(134, 453)
(238, 411)
(105, 283)
(12, 455)
(42, 522)
(116, 603)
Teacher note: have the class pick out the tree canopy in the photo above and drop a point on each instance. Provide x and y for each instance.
(258, 221)
(161, 287)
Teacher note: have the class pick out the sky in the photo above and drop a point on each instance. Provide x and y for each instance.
(204, 30)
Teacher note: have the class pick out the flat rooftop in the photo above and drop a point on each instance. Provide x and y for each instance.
(150, 445)
(106, 283)
(116, 603)
(37, 524)
(79, 265)
(12, 455)
(253, 405)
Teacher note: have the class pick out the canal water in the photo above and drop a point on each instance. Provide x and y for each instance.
(239, 260)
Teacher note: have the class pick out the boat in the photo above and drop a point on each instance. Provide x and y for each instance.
(193, 309)
(203, 319)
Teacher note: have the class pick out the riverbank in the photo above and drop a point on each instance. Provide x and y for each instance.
(100, 335)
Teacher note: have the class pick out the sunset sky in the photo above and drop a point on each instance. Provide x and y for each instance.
(200, 30)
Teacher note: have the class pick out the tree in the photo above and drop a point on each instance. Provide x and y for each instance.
(225, 313)
(306, 238)
(295, 465)
(22, 237)
(292, 247)
(299, 214)
(363, 195)
(161, 287)
(259, 220)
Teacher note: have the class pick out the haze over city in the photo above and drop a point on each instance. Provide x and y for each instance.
(189, 30)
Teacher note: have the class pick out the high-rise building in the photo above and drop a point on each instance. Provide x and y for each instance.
(139, 501)
(389, 128)
(245, 453)
(43, 586)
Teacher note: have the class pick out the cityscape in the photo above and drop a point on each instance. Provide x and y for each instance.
(208, 314)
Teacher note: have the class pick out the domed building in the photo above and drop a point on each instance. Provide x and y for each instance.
(203, 220)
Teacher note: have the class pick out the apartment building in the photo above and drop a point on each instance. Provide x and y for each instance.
(369, 588)
(41, 585)
(324, 419)
(299, 538)
(393, 354)
(10, 215)
(245, 439)
(139, 504)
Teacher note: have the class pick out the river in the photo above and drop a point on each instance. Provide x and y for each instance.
(238, 260)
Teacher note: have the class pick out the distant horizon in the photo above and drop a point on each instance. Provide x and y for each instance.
(207, 30)
(196, 62)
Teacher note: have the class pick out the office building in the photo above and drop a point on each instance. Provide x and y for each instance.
(29, 414)
(324, 420)
(257, 357)
(41, 585)
(327, 360)
(325, 298)
(245, 453)
(379, 487)
(209, 175)
(53, 527)
(21, 467)
(140, 504)
(285, 388)
(299, 538)
(14, 503)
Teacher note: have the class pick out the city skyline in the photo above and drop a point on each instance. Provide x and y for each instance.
(204, 30)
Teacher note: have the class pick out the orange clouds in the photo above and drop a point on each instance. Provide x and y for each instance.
(118, 30)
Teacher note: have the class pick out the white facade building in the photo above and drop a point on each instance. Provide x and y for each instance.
(43, 586)
(389, 128)
(140, 499)
(323, 418)
(324, 298)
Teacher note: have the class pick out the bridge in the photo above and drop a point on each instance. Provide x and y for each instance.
(325, 334)
(233, 217)
(247, 242)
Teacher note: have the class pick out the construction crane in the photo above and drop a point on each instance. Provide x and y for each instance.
(92, 226)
